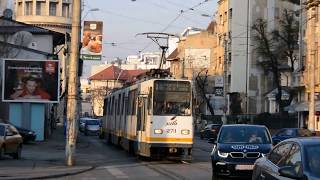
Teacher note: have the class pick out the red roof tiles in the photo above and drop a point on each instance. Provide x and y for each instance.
(114, 73)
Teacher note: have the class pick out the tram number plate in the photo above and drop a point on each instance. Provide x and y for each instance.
(171, 131)
(244, 167)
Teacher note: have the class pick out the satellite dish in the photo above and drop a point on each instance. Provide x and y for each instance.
(22, 38)
(7, 13)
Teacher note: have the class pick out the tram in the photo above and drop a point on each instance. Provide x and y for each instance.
(152, 118)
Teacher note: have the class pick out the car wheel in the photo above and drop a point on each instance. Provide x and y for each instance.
(215, 176)
(1, 152)
(17, 154)
(86, 133)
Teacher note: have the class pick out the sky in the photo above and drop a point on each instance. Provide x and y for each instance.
(124, 19)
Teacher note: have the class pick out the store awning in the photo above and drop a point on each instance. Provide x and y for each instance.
(301, 107)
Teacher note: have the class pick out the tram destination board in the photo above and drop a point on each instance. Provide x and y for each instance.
(180, 86)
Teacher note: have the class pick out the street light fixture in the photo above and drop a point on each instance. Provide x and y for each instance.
(90, 10)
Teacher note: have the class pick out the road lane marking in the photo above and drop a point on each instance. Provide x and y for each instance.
(117, 173)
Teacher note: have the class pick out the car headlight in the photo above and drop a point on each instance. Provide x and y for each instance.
(222, 154)
(213, 150)
(158, 131)
(30, 132)
(263, 155)
(185, 131)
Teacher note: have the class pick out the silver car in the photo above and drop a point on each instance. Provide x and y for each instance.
(10, 141)
(92, 127)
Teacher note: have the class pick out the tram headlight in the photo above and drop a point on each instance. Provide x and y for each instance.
(158, 131)
(185, 131)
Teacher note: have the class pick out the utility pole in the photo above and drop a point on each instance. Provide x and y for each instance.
(311, 60)
(247, 60)
(73, 86)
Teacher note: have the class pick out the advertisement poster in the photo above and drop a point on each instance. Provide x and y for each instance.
(92, 41)
(30, 81)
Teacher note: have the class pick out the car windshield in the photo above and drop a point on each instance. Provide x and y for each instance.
(2, 130)
(313, 159)
(252, 135)
(92, 122)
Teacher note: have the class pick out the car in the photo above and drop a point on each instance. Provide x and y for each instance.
(82, 122)
(236, 149)
(10, 141)
(27, 134)
(92, 127)
(295, 158)
(287, 133)
(210, 131)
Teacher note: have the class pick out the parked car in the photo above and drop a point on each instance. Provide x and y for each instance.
(27, 134)
(236, 149)
(210, 131)
(296, 158)
(82, 122)
(10, 141)
(287, 133)
(92, 127)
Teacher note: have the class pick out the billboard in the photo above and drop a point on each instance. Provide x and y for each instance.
(92, 41)
(30, 81)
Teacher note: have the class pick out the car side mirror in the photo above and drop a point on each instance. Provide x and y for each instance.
(212, 141)
(9, 133)
(289, 172)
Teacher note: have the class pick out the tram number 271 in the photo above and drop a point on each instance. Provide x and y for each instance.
(171, 131)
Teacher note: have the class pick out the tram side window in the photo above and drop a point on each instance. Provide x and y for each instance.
(119, 103)
(150, 101)
(130, 104)
(134, 103)
(112, 105)
(105, 107)
(109, 106)
(122, 108)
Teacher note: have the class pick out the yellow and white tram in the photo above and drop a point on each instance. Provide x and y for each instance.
(152, 118)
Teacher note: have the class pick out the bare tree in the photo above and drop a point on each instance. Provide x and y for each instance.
(276, 48)
(201, 85)
(97, 97)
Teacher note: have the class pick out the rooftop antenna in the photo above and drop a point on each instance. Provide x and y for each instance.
(156, 37)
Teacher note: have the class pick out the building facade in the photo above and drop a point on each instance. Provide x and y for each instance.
(242, 74)
(54, 15)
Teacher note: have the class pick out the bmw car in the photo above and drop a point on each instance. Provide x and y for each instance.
(236, 149)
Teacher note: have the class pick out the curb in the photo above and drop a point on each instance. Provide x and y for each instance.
(51, 176)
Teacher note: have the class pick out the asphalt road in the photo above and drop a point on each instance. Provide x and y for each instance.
(112, 162)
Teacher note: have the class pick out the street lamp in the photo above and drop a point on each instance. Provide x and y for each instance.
(90, 10)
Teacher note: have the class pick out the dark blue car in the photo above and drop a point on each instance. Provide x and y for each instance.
(296, 158)
(236, 149)
(287, 133)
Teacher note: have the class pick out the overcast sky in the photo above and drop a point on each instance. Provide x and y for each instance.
(123, 19)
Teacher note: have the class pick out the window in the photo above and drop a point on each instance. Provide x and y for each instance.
(221, 19)
(294, 159)
(52, 9)
(225, 16)
(65, 10)
(38, 9)
(119, 104)
(123, 102)
(279, 152)
(28, 9)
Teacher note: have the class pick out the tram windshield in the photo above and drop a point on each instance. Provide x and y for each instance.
(172, 98)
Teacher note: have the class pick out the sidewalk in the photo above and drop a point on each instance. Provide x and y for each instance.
(42, 160)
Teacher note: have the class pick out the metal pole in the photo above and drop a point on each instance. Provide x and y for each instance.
(247, 59)
(311, 60)
(72, 85)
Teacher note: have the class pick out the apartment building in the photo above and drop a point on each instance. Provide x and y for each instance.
(51, 14)
(242, 74)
